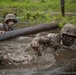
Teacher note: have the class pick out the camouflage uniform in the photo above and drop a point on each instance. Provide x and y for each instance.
(4, 26)
(55, 40)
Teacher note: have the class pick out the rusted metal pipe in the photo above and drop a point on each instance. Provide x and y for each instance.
(28, 30)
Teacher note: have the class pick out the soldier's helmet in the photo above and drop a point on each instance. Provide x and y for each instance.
(69, 29)
(10, 16)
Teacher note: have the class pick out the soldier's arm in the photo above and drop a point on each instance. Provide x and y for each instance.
(39, 40)
(42, 40)
(1, 28)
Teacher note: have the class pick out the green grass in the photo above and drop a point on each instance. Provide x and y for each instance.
(38, 11)
(38, 5)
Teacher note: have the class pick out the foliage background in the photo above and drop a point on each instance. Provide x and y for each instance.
(38, 11)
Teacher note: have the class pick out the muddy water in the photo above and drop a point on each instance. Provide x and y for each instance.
(44, 64)
(18, 46)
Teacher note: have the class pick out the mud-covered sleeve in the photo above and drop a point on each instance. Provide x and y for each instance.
(43, 40)
(1, 26)
(48, 38)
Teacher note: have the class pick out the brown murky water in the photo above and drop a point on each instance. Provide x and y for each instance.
(19, 44)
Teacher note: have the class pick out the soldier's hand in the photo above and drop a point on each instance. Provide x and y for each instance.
(2, 32)
(35, 44)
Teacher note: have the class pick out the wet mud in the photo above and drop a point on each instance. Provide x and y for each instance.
(15, 59)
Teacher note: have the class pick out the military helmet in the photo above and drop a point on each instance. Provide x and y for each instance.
(69, 29)
(10, 16)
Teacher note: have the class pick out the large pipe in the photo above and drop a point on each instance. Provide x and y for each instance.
(28, 30)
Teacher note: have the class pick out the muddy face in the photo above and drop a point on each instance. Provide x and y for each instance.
(68, 40)
(10, 23)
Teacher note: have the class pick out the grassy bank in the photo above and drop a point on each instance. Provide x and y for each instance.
(38, 11)
(51, 5)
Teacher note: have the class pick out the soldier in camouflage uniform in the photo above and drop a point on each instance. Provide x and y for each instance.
(65, 38)
(9, 22)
